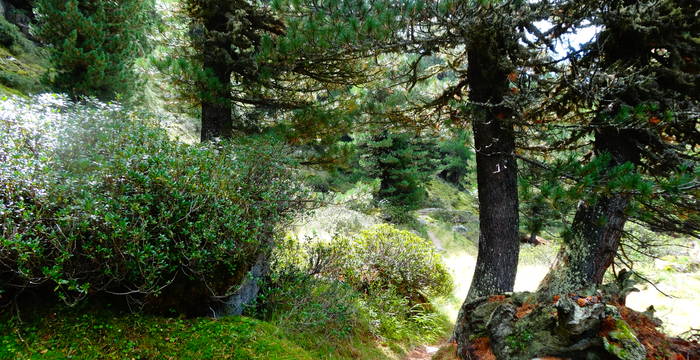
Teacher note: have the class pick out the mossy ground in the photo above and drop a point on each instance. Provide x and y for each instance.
(107, 334)
(20, 72)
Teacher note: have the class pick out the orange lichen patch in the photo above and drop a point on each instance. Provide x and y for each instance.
(556, 298)
(658, 345)
(654, 120)
(583, 301)
(481, 349)
(525, 309)
(497, 298)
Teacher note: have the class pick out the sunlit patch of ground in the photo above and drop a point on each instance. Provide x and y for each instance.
(461, 266)
(680, 313)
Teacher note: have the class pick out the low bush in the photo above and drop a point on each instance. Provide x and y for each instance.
(380, 279)
(96, 201)
(384, 258)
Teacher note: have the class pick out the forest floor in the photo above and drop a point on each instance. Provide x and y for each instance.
(424, 352)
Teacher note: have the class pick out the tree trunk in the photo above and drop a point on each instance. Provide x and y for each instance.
(496, 173)
(217, 120)
(590, 248)
(217, 117)
(499, 240)
(496, 168)
(594, 240)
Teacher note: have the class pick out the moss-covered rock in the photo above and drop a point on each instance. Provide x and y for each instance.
(526, 326)
(623, 343)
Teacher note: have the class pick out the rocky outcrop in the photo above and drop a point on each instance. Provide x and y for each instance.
(534, 325)
(18, 12)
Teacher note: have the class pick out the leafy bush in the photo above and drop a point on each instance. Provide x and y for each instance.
(16, 81)
(296, 298)
(380, 279)
(385, 258)
(96, 201)
(9, 33)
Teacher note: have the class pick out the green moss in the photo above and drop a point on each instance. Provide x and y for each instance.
(622, 342)
(106, 335)
(520, 341)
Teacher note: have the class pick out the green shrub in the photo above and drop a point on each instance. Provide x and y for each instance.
(385, 258)
(9, 33)
(95, 200)
(16, 81)
(380, 280)
(297, 299)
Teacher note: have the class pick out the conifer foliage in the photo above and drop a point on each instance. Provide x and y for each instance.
(403, 163)
(93, 43)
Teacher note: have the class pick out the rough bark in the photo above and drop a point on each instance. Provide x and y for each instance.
(217, 120)
(496, 169)
(590, 248)
(499, 239)
(597, 227)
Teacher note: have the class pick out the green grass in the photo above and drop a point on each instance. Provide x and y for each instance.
(108, 335)
(443, 195)
(22, 63)
(80, 333)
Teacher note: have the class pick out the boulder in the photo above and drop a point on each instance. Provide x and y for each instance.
(531, 325)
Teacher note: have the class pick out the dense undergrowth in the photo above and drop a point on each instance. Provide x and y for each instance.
(95, 200)
(381, 280)
(99, 206)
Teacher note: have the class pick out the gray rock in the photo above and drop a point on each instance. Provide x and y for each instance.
(460, 229)
(575, 319)
(249, 288)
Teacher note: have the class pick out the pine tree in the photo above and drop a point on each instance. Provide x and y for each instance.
(248, 62)
(644, 162)
(403, 162)
(93, 43)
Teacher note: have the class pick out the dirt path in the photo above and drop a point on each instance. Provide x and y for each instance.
(423, 352)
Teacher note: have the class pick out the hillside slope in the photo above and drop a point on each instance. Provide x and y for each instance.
(22, 62)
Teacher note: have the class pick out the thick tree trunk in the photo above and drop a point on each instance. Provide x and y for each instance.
(499, 240)
(590, 248)
(496, 169)
(595, 234)
(217, 121)
(496, 172)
